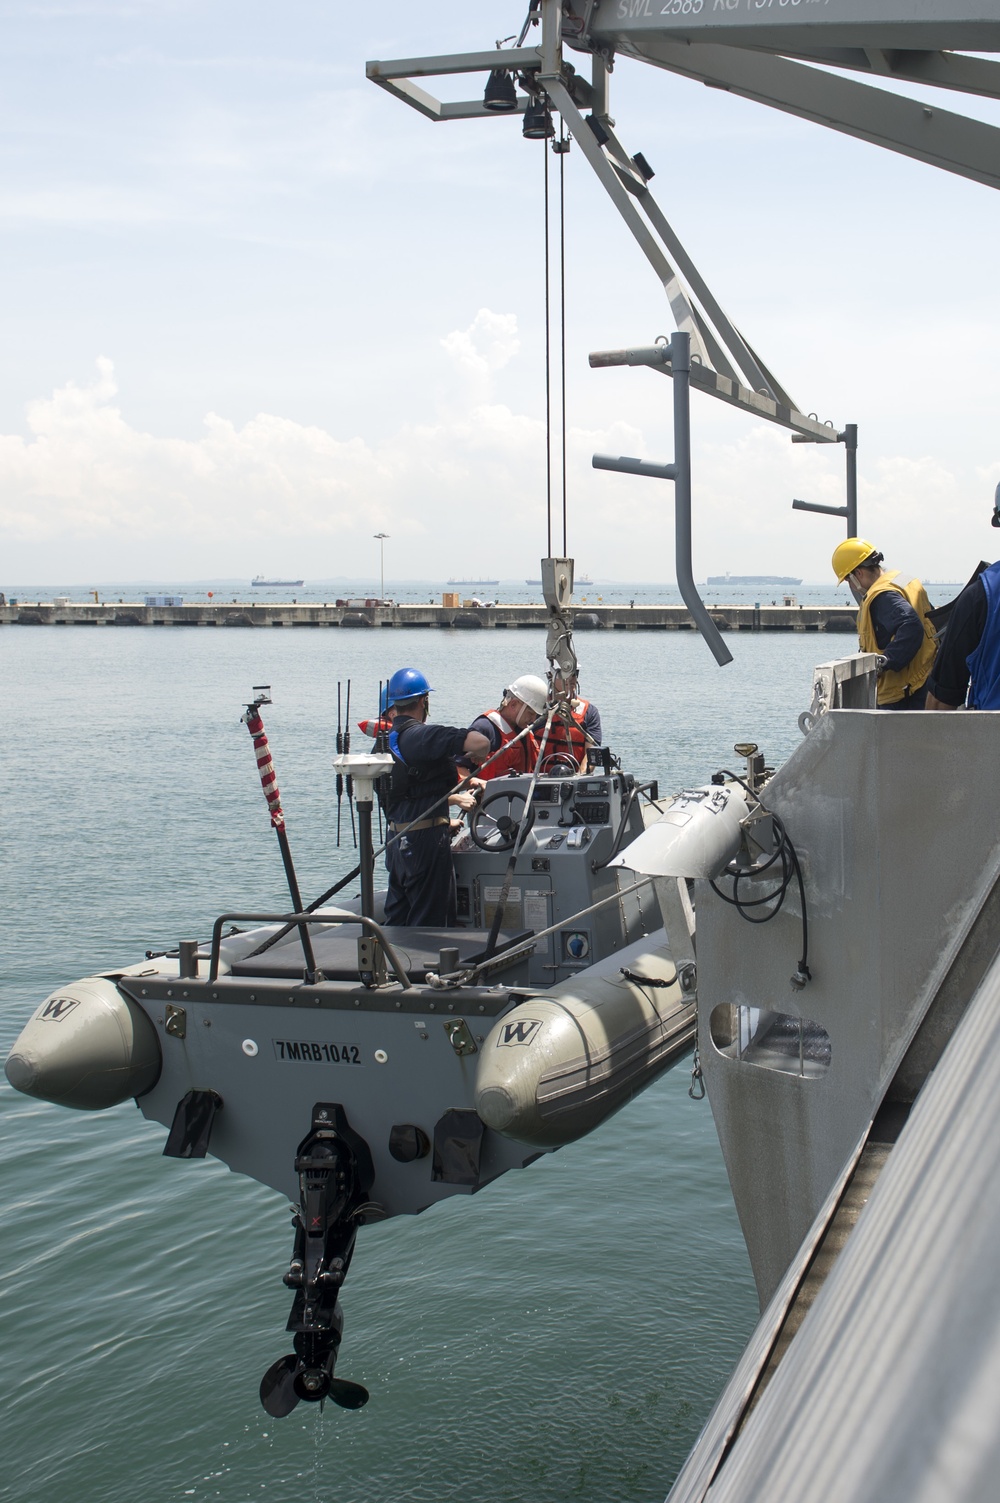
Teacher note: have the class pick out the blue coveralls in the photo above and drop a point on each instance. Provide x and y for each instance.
(421, 874)
(971, 647)
(984, 661)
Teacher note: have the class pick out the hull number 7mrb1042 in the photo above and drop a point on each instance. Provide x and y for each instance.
(309, 1052)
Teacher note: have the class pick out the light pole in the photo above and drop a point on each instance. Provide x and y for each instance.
(380, 538)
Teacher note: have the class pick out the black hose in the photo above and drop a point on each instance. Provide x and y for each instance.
(790, 867)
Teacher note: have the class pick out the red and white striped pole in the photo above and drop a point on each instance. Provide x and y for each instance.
(269, 783)
(265, 766)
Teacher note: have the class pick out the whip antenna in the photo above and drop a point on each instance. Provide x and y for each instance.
(340, 775)
(350, 781)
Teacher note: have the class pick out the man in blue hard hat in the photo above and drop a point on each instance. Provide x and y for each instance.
(418, 854)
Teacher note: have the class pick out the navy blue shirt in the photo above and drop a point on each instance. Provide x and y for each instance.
(484, 725)
(897, 627)
(430, 750)
(592, 723)
(949, 680)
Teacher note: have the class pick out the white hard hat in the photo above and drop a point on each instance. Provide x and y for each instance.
(530, 690)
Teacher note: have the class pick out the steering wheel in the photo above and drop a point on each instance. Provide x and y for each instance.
(499, 819)
(559, 765)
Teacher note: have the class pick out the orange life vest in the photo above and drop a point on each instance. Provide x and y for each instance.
(568, 740)
(519, 758)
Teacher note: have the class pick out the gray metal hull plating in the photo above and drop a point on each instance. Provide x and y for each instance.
(899, 853)
(271, 1061)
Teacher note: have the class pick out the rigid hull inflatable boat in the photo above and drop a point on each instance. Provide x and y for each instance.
(366, 1071)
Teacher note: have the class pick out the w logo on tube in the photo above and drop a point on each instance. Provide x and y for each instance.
(57, 1008)
(522, 1031)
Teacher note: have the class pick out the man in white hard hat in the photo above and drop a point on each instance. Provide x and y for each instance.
(520, 706)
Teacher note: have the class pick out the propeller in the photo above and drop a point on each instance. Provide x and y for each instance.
(277, 1386)
(289, 1379)
(347, 1394)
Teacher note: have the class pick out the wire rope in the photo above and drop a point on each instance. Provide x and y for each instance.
(548, 374)
(562, 320)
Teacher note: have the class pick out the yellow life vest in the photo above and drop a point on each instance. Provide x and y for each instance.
(899, 683)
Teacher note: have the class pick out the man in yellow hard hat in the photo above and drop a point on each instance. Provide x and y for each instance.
(892, 621)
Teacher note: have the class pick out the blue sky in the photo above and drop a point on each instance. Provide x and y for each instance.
(254, 310)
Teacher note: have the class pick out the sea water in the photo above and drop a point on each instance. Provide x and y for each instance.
(561, 1335)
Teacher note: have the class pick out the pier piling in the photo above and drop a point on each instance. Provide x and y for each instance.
(503, 617)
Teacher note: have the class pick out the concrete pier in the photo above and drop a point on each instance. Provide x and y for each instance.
(250, 614)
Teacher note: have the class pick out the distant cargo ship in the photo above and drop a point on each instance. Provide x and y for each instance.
(775, 581)
(490, 584)
(260, 580)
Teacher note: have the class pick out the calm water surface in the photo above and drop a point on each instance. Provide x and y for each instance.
(561, 1335)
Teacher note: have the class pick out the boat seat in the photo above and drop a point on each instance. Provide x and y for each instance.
(336, 951)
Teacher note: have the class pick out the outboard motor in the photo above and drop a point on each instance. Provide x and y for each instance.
(335, 1170)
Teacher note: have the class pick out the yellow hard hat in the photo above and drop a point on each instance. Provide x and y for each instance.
(849, 554)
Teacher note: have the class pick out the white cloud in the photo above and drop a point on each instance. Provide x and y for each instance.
(470, 480)
(488, 344)
(83, 471)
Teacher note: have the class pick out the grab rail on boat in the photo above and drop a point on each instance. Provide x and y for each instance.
(300, 920)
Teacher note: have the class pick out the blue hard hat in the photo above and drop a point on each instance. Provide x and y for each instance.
(407, 683)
